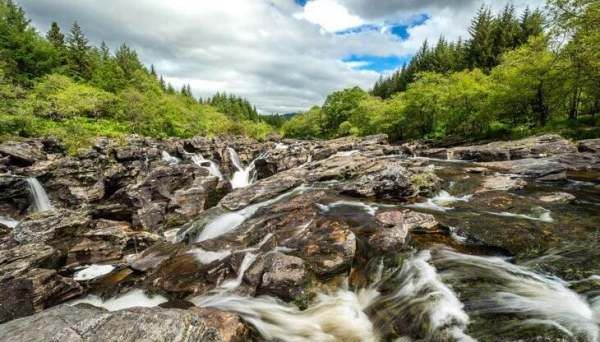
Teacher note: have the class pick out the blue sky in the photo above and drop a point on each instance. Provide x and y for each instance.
(282, 55)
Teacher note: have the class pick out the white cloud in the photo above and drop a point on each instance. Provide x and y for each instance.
(330, 15)
(258, 49)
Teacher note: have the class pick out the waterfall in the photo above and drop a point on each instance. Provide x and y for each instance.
(9, 222)
(244, 176)
(212, 167)
(40, 197)
(169, 159)
(228, 222)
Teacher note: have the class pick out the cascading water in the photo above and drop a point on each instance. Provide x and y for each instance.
(495, 286)
(169, 159)
(244, 176)
(41, 201)
(9, 222)
(209, 165)
(228, 222)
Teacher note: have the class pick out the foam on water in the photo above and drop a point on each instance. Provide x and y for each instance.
(440, 202)
(133, 298)
(92, 271)
(513, 289)
(369, 209)
(544, 216)
(41, 201)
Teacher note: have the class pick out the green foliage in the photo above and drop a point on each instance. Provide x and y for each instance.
(338, 108)
(490, 37)
(62, 86)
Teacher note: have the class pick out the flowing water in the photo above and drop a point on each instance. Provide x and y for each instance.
(243, 176)
(41, 202)
(169, 159)
(508, 267)
(9, 222)
(209, 165)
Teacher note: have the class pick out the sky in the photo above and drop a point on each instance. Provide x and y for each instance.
(282, 55)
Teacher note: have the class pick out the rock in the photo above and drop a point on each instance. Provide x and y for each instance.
(409, 219)
(533, 147)
(17, 261)
(328, 247)
(589, 145)
(501, 183)
(152, 257)
(389, 239)
(50, 289)
(23, 153)
(481, 170)
(108, 242)
(16, 299)
(541, 169)
(87, 323)
(57, 228)
(557, 197)
(284, 276)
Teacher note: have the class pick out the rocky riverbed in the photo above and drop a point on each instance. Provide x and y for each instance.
(230, 239)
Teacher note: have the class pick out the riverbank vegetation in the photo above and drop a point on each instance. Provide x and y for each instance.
(516, 75)
(61, 85)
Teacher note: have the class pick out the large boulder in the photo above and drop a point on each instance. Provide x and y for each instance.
(23, 153)
(85, 323)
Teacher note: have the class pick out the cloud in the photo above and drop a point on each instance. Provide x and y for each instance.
(283, 55)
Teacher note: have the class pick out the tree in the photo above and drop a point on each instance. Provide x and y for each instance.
(338, 107)
(78, 53)
(56, 37)
(480, 52)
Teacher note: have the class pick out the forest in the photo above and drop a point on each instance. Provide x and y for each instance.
(61, 85)
(516, 75)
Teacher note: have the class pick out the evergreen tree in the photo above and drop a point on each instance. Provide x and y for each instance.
(78, 53)
(480, 52)
(56, 37)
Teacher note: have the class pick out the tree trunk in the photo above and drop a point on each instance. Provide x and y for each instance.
(574, 105)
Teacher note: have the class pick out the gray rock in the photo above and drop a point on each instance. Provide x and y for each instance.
(90, 324)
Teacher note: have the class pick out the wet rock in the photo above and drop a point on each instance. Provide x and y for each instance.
(88, 323)
(284, 276)
(501, 183)
(389, 239)
(328, 247)
(425, 181)
(409, 219)
(109, 241)
(50, 289)
(57, 228)
(152, 257)
(16, 299)
(541, 169)
(557, 197)
(23, 153)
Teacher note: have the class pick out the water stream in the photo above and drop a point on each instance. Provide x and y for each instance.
(41, 201)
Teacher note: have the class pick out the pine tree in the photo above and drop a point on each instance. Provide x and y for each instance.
(480, 47)
(78, 53)
(56, 37)
(104, 51)
(152, 70)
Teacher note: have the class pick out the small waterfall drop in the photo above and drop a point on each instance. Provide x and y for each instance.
(9, 222)
(40, 197)
(169, 159)
(244, 176)
(209, 165)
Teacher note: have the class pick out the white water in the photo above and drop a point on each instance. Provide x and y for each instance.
(369, 209)
(212, 167)
(421, 296)
(92, 271)
(41, 201)
(206, 257)
(544, 216)
(169, 159)
(280, 146)
(134, 298)
(346, 153)
(244, 176)
(228, 222)
(248, 260)
(440, 202)
(510, 288)
(331, 317)
(9, 222)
